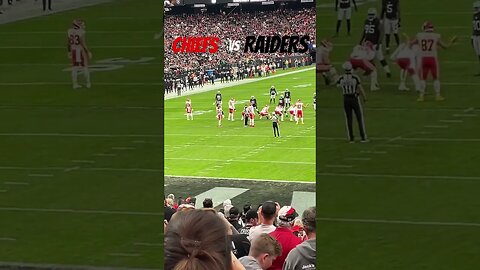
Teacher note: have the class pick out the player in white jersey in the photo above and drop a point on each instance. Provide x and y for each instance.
(279, 111)
(78, 52)
(189, 109)
(293, 112)
(406, 58)
(429, 41)
(251, 115)
(299, 111)
(231, 108)
(264, 112)
(219, 112)
(324, 66)
(362, 57)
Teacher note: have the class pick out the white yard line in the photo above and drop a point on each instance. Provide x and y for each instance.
(439, 177)
(7, 239)
(436, 126)
(247, 161)
(243, 147)
(403, 222)
(104, 155)
(241, 179)
(40, 175)
(16, 183)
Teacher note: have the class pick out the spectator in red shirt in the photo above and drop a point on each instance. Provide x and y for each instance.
(284, 235)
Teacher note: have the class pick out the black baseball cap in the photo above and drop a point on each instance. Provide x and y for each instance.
(251, 214)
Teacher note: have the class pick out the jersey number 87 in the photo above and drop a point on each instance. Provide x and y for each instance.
(427, 45)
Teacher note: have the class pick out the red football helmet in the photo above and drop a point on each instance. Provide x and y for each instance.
(368, 44)
(428, 26)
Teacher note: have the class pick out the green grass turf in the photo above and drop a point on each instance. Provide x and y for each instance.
(408, 172)
(193, 147)
(47, 126)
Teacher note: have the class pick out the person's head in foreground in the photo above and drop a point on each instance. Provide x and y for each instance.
(197, 240)
(263, 251)
(286, 217)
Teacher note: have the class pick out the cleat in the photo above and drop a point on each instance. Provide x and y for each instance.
(403, 88)
(76, 86)
(420, 98)
(439, 98)
(89, 85)
(365, 141)
(374, 88)
(352, 141)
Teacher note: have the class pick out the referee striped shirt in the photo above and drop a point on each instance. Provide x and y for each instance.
(349, 84)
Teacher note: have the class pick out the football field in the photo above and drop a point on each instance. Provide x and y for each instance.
(409, 198)
(200, 148)
(80, 170)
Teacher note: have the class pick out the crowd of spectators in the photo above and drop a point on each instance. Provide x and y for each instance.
(267, 237)
(182, 68)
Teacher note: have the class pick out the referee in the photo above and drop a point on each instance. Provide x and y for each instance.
(352, 89)
(275, 123)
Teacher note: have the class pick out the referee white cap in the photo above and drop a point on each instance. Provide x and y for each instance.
(347, 66)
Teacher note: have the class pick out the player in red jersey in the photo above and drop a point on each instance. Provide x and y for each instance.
(324, 65)
(292, 110)
(189, 109)
(429, 41)
(299, 111)
(279, 111)
(231, 109)
(78, 52)
(406, 58)
(362, 58)
(264, 112)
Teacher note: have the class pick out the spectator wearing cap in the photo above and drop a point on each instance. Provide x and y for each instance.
(284, 235)
(207, 203)
(168, 211)
(266, 214)
(303, 256)
(263, 251)
(251, 220)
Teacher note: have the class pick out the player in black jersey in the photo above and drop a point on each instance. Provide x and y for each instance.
(314, 101)
(344, 11)
(287, 98)
(281, 102)
(253, 102)
(476, 30)
(218, 99)
(391, 21)
(372, 32)
(273, 94)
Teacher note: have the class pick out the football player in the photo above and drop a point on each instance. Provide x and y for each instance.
(231, 108)
(372, 33)
(273, 94)
(391, 21)
(315, 101)
(344, 11)
(287, 97)
(293, 112)
(78, 52)
(428, 42)
(361, 58)
(279, 111)
(299, 111)
(219, 115)
(405, 57)
(253, 102)
(218, 99)
(281, 102)
(476, 30)
(265, 112)
(189, 109)
(324, 66)
(251, 115)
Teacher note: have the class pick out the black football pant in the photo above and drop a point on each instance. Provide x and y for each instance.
(351, 104)
(45, 2)
(276, 132)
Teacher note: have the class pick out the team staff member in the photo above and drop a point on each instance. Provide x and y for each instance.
(352, 89)
(275, 123)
